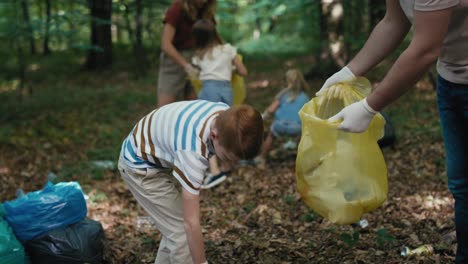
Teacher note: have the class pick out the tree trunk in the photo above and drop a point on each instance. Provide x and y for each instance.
(327, 62)
(100, 56)
(139, 49)
(46, 48)
(128, 24)
(27, 20)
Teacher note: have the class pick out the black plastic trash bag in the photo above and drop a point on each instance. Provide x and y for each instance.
(389, 133)
(82, 242)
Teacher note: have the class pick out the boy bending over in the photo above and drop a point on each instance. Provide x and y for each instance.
(169, 148)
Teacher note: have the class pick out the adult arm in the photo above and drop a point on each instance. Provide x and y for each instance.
(193, 226)
(430, 28)
(168, 48)
(384, 39)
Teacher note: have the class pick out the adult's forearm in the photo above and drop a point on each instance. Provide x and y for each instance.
(405, 72)
(174, 54)
(384, 39)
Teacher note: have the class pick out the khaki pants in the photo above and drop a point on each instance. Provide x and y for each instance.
(172, 78)
(158, 193)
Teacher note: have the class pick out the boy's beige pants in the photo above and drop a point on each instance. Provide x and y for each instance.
(158, 193)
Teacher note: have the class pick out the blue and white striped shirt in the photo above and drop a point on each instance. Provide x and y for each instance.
(174, 136)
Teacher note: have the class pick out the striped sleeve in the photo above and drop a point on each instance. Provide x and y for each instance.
(189, 168)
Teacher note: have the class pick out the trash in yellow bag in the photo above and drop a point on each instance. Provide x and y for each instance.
(340, 175)
(237, 84)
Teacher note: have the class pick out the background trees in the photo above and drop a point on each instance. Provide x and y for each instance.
(330, 31)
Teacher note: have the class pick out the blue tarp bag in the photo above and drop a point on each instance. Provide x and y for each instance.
(11, 250)
(38, 212)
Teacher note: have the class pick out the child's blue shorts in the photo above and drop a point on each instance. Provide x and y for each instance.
(216, 91)
(286, 128)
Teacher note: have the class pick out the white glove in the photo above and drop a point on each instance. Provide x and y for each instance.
(191, 71)
(265, 115)
(356, 117)
(345, 74)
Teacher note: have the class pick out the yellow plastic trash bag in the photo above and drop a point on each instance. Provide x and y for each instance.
(340, 175)
(237, 84)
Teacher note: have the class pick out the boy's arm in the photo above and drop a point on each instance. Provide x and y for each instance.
(193, 227)
(240, 67)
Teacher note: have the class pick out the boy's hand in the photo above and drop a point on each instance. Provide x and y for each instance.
(345, 74)
(356, 117)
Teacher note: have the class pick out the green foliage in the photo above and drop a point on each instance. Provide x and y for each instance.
(290, 199)
(98, 197)
(384, 237)
(310, 216)
(270, 26)
(350, 239)
(272, 44)
(248, 207)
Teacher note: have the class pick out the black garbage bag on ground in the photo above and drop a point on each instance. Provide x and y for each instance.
(389, 133)
(82, 242)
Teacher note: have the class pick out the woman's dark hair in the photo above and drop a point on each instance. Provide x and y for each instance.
(206, 35)
(207, 12)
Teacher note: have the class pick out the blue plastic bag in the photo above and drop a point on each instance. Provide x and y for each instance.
(38, 212)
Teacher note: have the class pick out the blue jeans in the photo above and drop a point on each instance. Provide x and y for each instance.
(216, 91)
(452, 101)
(285, 128)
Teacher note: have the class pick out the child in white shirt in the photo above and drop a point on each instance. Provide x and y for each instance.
(216, 61)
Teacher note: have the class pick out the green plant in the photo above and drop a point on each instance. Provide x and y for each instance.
(249, 207)
(350, 239)
(290, 199)
(309, 216)
(383, 238)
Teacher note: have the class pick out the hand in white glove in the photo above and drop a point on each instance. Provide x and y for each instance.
(191, 71)
(356, 117)
(345, 74)
(265, 115)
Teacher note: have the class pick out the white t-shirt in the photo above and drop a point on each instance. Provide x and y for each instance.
(216, 64)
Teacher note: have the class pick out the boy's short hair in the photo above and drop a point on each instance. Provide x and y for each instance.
(240, 131)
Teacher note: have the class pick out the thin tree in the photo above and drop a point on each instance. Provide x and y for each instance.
(27, 20)
(100, 55)
(139, 49)
(46, 48)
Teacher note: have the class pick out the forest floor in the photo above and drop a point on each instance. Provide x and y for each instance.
(255, 216)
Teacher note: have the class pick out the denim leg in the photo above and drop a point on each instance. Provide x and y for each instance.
(216, 91)
(452, 100)
(286, 128)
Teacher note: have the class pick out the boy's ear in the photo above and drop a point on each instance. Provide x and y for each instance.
(214, 133)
